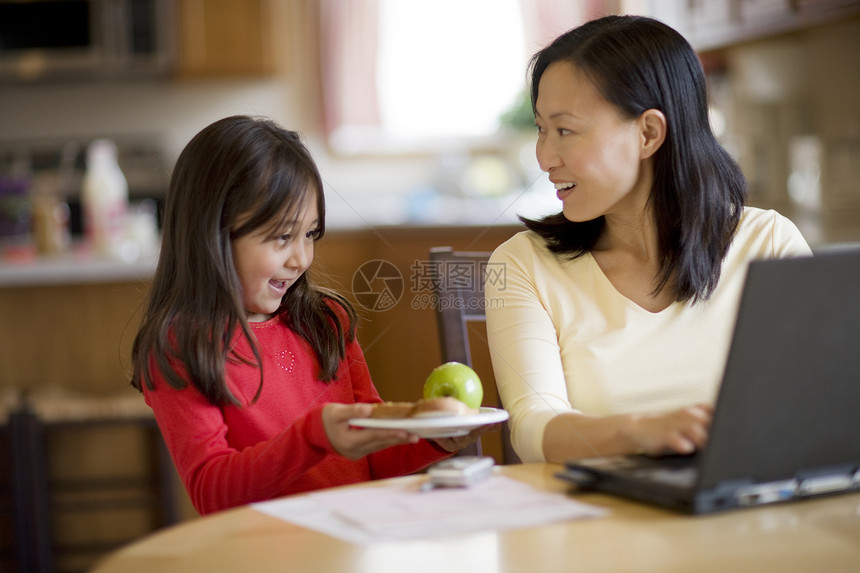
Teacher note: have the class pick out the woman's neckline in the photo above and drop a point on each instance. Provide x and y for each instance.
(628, 301)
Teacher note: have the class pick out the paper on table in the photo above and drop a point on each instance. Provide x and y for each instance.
(404, 511)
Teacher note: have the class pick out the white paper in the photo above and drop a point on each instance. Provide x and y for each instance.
(404, 511)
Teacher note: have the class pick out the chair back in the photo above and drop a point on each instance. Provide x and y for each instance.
(459, 301)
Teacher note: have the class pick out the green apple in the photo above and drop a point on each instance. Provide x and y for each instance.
(456, 380)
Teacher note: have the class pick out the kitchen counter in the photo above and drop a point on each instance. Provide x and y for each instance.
(433, 216)
(74, 269)
(427, 215)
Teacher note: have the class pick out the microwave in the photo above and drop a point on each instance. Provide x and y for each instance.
(43, 40)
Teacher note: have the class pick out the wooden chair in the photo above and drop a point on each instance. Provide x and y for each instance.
(60, 494)
(11, 516)
(458, 286)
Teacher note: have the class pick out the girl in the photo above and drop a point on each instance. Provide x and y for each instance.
(252, 371)
(617, 312)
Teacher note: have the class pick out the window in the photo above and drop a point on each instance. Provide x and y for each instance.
(448, 68)
(420, 76)
(414, 76)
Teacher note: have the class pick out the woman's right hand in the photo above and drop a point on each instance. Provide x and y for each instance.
(573, 435)
(681, 431)
(355, 443)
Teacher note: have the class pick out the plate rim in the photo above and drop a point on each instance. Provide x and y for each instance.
(418, 424)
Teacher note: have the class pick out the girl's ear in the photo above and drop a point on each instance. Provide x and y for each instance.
(652, 125)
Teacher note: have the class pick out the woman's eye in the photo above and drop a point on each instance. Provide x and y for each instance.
(313, 234)
(285, 238)
(562, 131)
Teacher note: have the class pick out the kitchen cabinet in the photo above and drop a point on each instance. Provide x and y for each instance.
(74, 338)
(717, 24)
(231, 38)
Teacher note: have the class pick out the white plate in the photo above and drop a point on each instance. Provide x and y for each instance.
(436, 427)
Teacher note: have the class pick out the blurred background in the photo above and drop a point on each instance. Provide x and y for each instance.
(416, 112)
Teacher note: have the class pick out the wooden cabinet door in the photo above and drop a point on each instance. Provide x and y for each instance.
(224, 38)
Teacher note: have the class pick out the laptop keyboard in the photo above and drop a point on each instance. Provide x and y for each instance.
(676, 470)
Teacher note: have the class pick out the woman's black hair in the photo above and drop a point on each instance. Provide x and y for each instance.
(638, 63)
(236, 176)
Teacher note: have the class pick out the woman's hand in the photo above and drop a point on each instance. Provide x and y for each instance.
(355, 443)
(680, 431)
(460, 442)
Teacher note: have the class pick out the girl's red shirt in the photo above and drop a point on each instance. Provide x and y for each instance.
(233, 455)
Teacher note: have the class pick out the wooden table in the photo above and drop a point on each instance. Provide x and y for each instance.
(817, 535)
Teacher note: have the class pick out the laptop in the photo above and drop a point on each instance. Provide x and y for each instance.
(786, 423)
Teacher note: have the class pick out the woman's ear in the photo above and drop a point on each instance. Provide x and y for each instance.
(652, 125)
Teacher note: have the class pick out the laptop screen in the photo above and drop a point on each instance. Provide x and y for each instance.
(790, 397)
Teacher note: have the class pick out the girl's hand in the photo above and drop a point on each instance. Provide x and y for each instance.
(679, 431)
(460, 442)
(355, 443)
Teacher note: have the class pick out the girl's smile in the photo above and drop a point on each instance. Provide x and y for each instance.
(280, 287)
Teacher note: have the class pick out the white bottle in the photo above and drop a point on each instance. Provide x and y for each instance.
(104, 198)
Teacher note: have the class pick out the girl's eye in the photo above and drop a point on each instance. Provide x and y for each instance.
(313, 234)
(285, 238)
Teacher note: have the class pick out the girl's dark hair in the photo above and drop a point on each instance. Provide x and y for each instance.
(237, 176)
(638, 63)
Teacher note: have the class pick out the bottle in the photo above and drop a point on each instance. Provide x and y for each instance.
(104, 198)
(51, 224)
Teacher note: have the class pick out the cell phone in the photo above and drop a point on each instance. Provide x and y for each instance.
(462, 471)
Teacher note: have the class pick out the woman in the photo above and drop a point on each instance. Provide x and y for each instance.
(609, 332)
